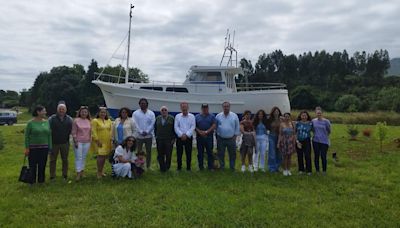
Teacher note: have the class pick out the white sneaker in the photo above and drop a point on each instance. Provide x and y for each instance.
(243, 168)
(251, 168)
(285, 173)
(255, 168)
(289, 173)
(263, 170)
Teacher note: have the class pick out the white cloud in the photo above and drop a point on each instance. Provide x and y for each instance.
(169, 36)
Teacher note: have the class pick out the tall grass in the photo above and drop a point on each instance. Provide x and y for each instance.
(371, 118)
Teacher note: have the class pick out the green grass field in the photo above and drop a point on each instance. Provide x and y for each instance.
(361, 190)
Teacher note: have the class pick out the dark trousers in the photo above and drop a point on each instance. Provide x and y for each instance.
(188, 150)
(62, 149)
(164, 150)
(206, 143)
(304, 154)
(230, 144)
(37, 163)
(147, 143)
(320, 150)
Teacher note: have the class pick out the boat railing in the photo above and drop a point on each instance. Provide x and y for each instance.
(259, 86)
(121, 80)
(239, 86)
(113, 78)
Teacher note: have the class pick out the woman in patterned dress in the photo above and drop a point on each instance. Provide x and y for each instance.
(287, 142)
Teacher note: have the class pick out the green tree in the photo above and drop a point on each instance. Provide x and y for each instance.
(61, 83)
(248, 70)
(377, 65)
(348, 103)
(9, 98)
(137, 75)
(25, 98)
(303, 97)
(381, 133)
(91, 93)
(388, 99)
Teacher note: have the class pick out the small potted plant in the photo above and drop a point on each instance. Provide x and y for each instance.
(352, 130)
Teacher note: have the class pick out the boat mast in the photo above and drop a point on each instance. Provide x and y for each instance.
(129, 45)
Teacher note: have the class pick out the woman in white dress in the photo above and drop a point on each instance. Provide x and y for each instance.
(124, 156)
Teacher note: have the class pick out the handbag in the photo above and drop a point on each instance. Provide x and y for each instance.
(25, 174)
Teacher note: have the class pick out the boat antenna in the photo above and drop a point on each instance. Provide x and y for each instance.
(226, 36)
(229, 50)
(129, 44)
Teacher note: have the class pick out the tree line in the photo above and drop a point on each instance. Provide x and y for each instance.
(74, 86)
(337, 81)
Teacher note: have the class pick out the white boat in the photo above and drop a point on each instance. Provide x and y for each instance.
(204, 84)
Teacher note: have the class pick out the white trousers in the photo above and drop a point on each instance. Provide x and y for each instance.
(261, 150)
(80, 156)
(122, 169)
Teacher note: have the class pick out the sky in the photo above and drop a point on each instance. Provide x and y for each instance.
(170, 36)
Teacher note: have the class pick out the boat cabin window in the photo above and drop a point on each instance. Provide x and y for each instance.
(212, 76)
(152, 88)
(177, 89)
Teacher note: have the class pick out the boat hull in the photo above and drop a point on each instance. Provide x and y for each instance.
(117, 96)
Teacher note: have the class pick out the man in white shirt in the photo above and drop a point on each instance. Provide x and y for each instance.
(144, 119)
(184, 126)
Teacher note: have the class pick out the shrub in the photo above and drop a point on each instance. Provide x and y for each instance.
(369, 118)
(388, 99)
(352, 130)
(327, 100)
(381, 132)
(348, 103)
(302, 97)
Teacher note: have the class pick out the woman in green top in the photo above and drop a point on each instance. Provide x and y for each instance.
(38, 143)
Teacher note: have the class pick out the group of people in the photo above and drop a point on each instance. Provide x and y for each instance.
(274, 136)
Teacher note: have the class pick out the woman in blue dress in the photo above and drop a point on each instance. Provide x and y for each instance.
(273, 124)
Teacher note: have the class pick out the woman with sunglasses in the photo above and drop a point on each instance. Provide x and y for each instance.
(124, 158)
(81, 134)
(101, 139)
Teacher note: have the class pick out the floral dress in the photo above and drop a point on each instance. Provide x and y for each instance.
(287, 143)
